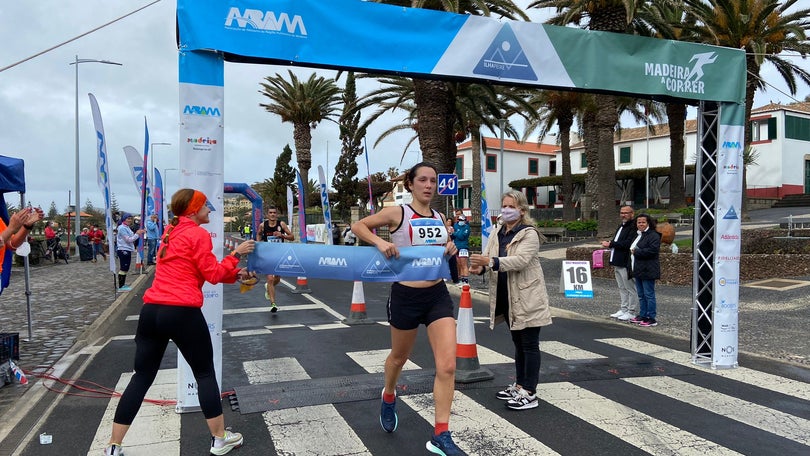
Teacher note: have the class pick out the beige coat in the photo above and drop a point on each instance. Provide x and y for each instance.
(528, 298)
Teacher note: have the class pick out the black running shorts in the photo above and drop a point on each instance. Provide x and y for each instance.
(409, 307)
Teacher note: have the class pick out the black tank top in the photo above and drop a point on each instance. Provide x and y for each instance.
(268, 231)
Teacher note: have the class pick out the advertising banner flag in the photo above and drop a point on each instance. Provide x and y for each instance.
(135, 162)
(302, 217)
(103, 169)
(158, 196)
(327, 213)
(486, 222)
(289, 206)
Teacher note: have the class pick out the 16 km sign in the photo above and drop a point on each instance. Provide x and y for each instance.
(448, 184)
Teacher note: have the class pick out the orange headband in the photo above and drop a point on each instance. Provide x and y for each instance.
(197, 202)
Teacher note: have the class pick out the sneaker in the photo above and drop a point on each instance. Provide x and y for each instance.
(273, 307)
(649, 322)
(523, 401)
(443, 445)
(637, 319)
(125, 288)
(617, 314)
(113, 450)
(226, 444)
(508, 393)
(266, 293)
(625, 316)
(388, 414)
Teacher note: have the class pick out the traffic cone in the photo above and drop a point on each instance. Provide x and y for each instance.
(468, 369)
(357, 313)
(301, 286)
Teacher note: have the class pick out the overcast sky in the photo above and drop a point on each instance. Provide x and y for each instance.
(37, 101)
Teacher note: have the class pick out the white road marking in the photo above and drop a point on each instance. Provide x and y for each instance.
(250, 332)
(317, 429)
(374, 361)
(156, 429)
(776, 422)
(638, 429)
(567, 352)
(741, 374)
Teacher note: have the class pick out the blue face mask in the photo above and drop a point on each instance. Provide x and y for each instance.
(461, 222)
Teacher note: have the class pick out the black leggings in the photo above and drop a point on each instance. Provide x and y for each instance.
(186, 326)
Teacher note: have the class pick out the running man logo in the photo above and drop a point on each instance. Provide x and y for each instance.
(256, 20)
(505, 58)
(682, 79)
(207, 111)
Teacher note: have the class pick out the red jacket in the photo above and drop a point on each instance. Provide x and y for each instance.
(188, 263)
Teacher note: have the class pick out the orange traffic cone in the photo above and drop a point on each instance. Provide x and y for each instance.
(468, 369)
(357, 313)
(301, 286)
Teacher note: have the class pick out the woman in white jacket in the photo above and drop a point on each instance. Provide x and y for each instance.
(517, 293)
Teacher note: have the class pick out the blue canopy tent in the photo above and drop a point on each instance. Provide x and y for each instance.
(12, 179)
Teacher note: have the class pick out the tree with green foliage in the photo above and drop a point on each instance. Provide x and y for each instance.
(344, 180)
(305, 104)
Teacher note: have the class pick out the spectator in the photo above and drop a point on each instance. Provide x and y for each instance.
(152, 236)
(97, 237)
(125, 246)
(348, 237)
(16, 232)
(646, 268)
(620, 260)
(517, 294)
(172, 310)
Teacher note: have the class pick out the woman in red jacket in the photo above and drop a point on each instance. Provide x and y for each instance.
(172, 310)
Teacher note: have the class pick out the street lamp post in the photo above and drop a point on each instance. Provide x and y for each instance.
(76, 62)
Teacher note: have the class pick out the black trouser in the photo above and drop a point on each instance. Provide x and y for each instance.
(185, 326)
(527, 357)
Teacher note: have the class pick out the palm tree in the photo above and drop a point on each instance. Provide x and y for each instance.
(304, 104)
(560, 108)
(765, 29)
(610, 16)
(435, 117)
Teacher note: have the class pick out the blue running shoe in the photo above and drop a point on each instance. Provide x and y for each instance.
(443, 445)
(388, 415)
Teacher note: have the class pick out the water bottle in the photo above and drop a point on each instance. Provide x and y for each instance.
(674, 248)
(18, 373)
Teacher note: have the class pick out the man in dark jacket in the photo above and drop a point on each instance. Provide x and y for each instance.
(620, 259)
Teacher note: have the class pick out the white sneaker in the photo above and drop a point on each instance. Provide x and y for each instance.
(625, 316)
(226, 444)
(523, 401)
(617, 314)
(113, 450)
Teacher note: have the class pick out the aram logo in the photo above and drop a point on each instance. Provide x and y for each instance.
(731, 214)
(333, 262)
(505, 58)
(682, 79)
(426, 262)
(254, 20)
(205, 111)
(731, 145)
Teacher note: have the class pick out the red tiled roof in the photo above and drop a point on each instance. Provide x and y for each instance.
(494, 144)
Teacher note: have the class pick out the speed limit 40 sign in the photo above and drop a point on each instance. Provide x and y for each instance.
(575, 281)
(448, 184)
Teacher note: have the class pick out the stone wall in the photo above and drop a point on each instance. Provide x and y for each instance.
(676, 268)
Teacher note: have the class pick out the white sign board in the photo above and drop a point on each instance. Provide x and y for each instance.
(575, 279)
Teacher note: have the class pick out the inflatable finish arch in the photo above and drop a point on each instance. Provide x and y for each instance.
(379, 38)
(256, 202)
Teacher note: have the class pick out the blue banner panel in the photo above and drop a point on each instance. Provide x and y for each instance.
(340, 262)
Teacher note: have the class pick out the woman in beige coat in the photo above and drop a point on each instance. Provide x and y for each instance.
(517, 293)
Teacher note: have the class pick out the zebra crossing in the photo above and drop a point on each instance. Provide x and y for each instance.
(690, 419)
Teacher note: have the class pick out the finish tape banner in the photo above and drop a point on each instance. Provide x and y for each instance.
(365, 264)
